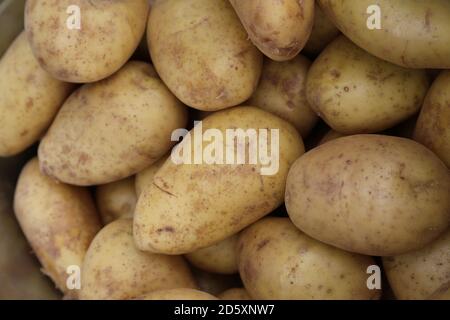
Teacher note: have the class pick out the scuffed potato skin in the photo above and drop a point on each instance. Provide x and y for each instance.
(278, 261)
(433, 125)
(370, 194)
(178, 294)
(110, 32)
(115, 269)
(279, 29)
(58, 220)
(30, 98)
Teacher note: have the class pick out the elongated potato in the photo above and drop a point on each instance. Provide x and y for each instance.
(107, 35)
(277, 261)
(58, 220)
(418, 274)
(282, 91)
(116, 200)
(30, 98)
(218, 258)
(145, 177)
(192, 206)
(370, 194)
(279, 29)
(112, 129)
(355, 92)
(412, 34)
(433, 125)
(201, 52)
(177, 294)
(234, 294)
(115, 269)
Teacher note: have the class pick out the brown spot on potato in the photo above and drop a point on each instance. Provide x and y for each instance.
(262, 244)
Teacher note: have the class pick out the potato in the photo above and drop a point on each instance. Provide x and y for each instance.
(412, 34)
(178, 294)
(330, 135)
(145, 177)
(355, 92)
(218, 258)
(109, 33)
(58, 220)
(116, 200)
(417, 275)
(370, 194)
(323, 32)
(277, 261)
(201, 52)
(30, 98)
(433, 125)
(443, 293)
(215, 283)
(115, 269)
(189, 207)
(11, 21)
(279, 29)
(112, 129)
(281, 91)
(234, 294)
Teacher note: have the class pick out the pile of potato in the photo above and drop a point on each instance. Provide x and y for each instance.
(363, 116)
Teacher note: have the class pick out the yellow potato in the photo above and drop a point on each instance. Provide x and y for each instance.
(201, 52)
(281, 91)
(58, 220)
(355, 92)
(277, 261)
(115, 269)
(417, 275)
(145, 177)
(433, 125)
(189, 207)
(443, 293)
(234, 294)
(413, 34)
(370, 194)
(30, 98)
(279, 29)
(178, 294)
(116, 200)
(112, 129)
(218, 258)
(109, 33)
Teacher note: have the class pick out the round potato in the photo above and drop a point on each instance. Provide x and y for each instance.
(145, 177)
(30, 98)
(234, 294)
(443, 293)
(115, 269)
(112, 129)
(189, 207)
(178, 294)
(417, 275)
(355, 92)
(116, 200)
(433, 125)
(279, 29)
(411, 33)
(107, 35)
(218, 258)
(201, 52)
(281, 91)
(58, 220)
(277, 261)
(370, 194)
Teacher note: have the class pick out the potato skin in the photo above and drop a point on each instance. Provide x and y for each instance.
(206, 73)
(282, 91)
(330, 135)
(413, 34)
(112, 129)
(110, 32)
(145, 176)
(433, 126)
(30, 98)
(355, 92)
(116, 200)
(417, 275)
(234, 294)
(189, 207)
(277, 261)
(279, 29)
(370, 194)
(178, 294)
(218, 258)
(443, 293)
(58, 220)
(115, 269)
